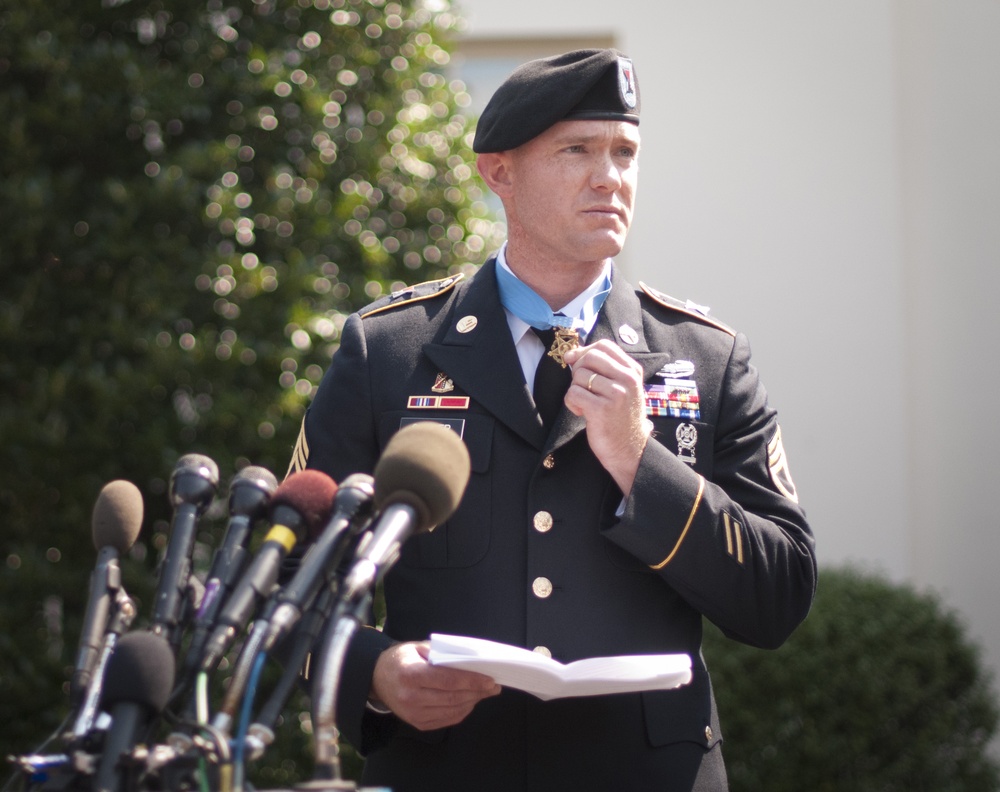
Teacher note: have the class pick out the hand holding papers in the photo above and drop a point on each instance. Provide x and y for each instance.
(548, 679)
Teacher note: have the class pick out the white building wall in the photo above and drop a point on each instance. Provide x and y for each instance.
(826, 176)
(949, 149)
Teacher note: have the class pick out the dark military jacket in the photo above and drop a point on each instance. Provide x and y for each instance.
(546, 553)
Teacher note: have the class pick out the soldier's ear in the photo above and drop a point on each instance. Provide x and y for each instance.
(495, 169)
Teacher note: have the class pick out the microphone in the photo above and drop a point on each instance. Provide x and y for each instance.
(249, 493)
(419, 480)
(193, 484)
(300, 504)
(115, 524)
(352, 508)
(140, 675)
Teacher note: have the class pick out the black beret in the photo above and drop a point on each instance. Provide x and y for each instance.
(585, 84)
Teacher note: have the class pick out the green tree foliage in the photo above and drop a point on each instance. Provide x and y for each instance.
(879, 690)
(194, 194)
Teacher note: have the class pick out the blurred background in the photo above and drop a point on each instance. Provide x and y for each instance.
(194, 194)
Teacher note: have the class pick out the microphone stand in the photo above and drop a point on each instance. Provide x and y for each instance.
(346, 620)
(240, 677)
(376, 556)
(121, 620)
(301, 643)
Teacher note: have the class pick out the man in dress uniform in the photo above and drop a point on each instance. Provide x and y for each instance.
(650, 492)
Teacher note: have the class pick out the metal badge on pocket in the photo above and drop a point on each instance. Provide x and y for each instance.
(687, 440)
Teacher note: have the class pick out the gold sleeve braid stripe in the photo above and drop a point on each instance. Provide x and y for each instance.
(777, 463)
(734, 537)
(687, 526)
(300, 454)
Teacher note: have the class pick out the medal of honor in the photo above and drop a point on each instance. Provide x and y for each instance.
(566, 338)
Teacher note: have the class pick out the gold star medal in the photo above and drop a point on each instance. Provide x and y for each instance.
(566, 338)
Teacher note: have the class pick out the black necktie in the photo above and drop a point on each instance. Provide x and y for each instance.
(551, 381)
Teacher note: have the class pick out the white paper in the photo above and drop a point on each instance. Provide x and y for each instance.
(548, 679)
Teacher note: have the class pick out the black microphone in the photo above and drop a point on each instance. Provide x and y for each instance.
(249, 493)
(139, 677)
(299, 506)
(419, 480)
(193, 484)
(352, 508)
(115, 525)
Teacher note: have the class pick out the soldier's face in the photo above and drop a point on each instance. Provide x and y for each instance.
(572, 189)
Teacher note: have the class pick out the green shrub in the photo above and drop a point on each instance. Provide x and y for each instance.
(194, 195)
(879, 689)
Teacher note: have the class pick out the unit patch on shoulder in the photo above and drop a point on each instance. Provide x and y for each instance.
(689, 308)
(412, 294)
(777, 464)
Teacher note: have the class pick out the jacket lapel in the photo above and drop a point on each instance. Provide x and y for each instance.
(482, 361)
(484, 364)
(620, 321)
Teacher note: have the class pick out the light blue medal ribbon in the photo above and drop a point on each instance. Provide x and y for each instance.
(522, 301)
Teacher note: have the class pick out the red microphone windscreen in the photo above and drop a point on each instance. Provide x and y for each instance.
(310, 493)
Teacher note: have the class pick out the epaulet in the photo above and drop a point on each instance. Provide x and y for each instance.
(699, 312)
(412, 294)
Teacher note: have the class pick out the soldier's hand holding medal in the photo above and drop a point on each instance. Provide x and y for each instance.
(607, 392)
